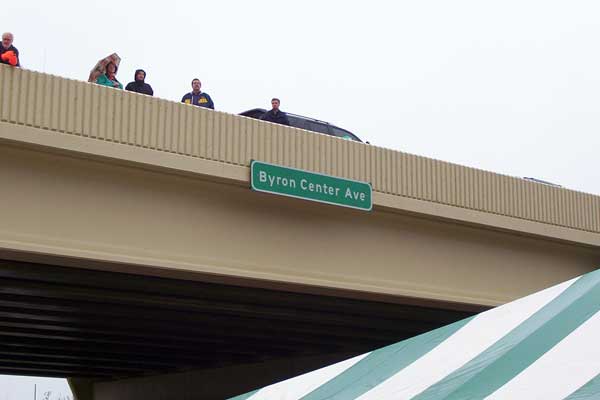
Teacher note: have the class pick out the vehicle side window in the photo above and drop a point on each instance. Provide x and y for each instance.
(342, 133)
(317, 127)
(296, 122)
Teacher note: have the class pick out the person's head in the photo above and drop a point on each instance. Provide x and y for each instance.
(140, 75)
(275, 103)
(7, 39)
(196, 85)
(111, 68)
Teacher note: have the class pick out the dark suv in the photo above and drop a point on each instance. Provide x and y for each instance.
(310, 124)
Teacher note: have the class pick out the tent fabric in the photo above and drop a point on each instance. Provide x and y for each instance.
(543, 346)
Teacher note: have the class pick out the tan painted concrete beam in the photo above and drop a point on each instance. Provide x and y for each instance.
(92, 209)
(79, 146)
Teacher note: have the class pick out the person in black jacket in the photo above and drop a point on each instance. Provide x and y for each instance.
(9, 53)
(138, 85)
(275, 115)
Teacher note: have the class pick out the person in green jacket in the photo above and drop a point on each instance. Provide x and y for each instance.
(109, 78)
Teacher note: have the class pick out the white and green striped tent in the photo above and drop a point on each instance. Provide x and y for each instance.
(544, 346)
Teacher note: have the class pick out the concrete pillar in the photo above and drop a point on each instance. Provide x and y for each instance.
(83, 389)
(213, 384)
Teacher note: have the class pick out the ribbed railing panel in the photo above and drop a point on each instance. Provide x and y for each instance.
(100, 113)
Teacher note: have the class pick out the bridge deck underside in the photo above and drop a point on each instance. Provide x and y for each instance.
(68, 322)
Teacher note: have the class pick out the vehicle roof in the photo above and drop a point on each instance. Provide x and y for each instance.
(263, 110)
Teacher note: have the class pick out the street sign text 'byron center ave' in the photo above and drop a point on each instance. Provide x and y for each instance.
(307, 185)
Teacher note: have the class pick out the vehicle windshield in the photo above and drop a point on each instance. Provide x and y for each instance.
(342, 133)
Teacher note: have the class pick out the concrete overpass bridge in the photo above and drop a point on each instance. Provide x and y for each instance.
(136, 260)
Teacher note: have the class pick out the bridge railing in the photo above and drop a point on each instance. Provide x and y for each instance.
(72, 107)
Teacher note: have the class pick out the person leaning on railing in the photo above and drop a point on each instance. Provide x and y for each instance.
(197, 97)
(275, 115)
(9, 53)
(109, 78)
(139, 85)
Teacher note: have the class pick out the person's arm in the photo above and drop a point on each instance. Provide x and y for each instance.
(184, 97)
(150, 91)
(11, 58)
(285, 121)
(211, 105)
(129, 87)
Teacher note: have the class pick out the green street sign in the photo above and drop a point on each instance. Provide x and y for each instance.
(291, 182)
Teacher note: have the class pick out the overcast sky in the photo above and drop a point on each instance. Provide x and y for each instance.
(507, 86)
(22, 388)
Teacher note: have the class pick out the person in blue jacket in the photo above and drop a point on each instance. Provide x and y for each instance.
(196, 97)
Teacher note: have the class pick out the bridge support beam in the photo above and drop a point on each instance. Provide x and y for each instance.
(83, 389)
(76, 208)
(211, 384)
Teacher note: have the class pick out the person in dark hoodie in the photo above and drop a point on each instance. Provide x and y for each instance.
(138, 85)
